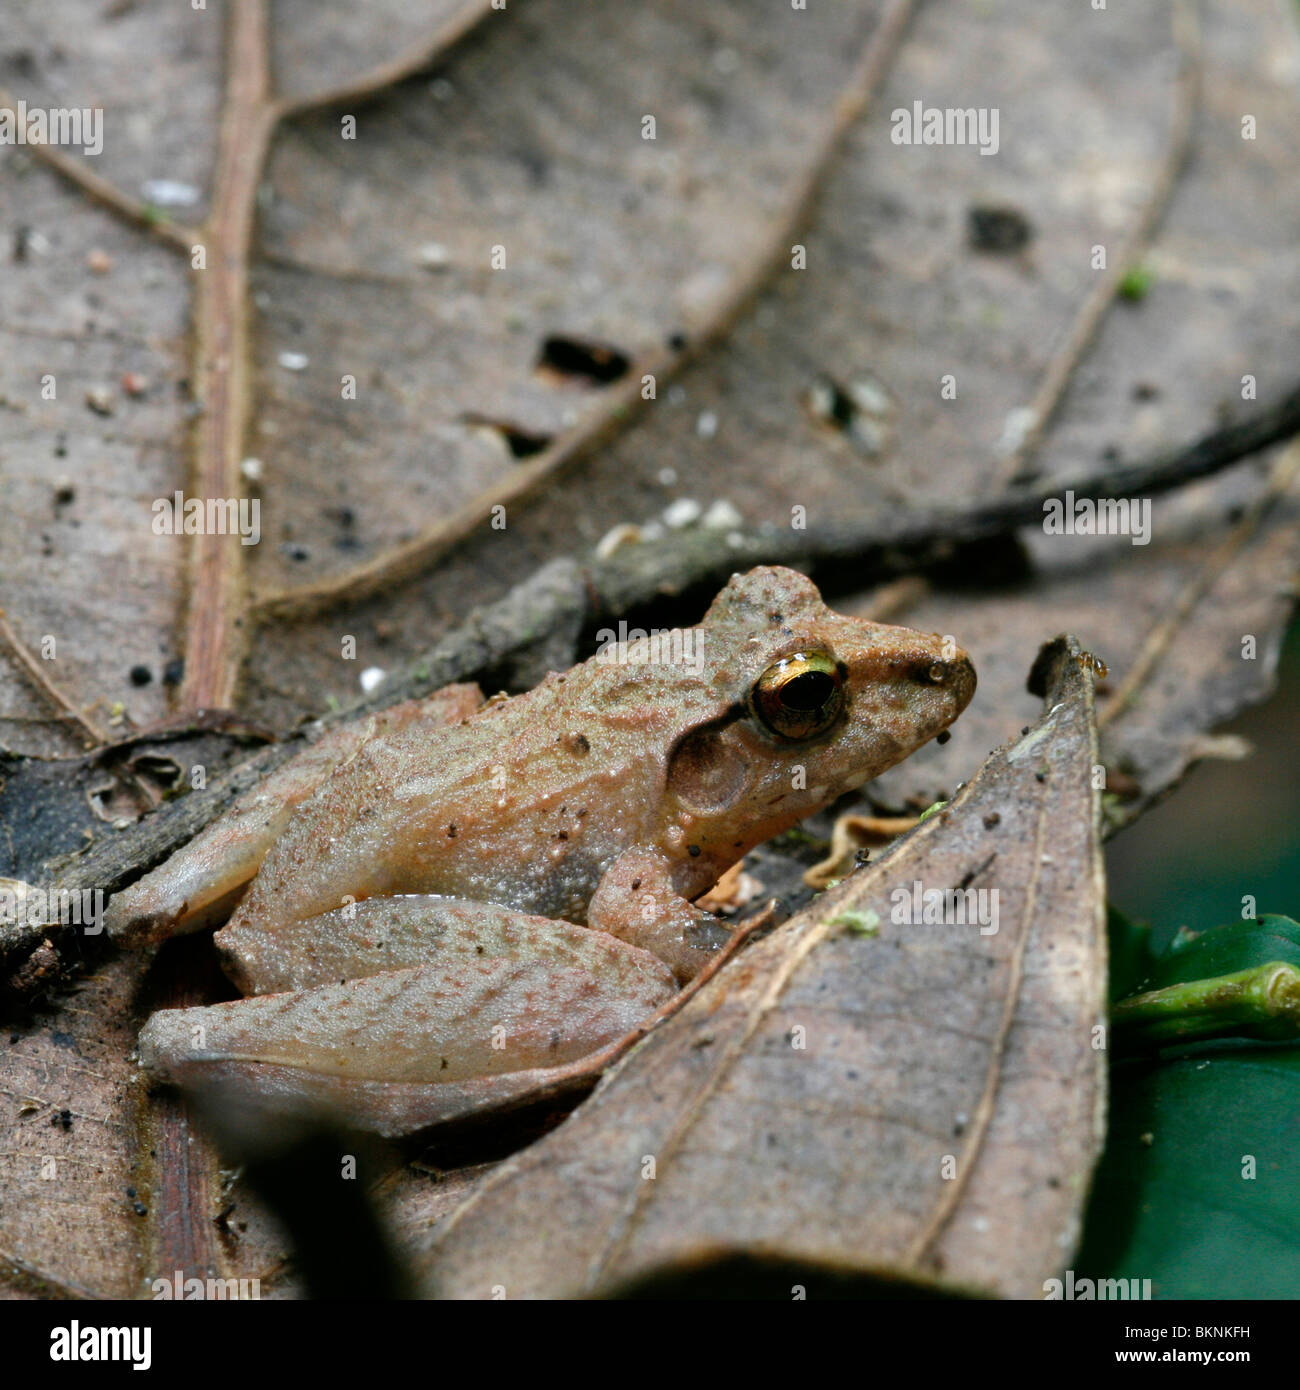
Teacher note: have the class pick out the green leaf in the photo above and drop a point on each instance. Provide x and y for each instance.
(1170, 1202)
(1132, 960)
(1174, 1199)
(1227, 950)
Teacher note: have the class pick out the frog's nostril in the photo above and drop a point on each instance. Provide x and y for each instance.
(945, 673)
(954, 676)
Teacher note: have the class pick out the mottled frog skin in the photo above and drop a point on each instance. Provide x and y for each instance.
(446, 901)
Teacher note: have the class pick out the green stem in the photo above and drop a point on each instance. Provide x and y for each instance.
(1263, 1002)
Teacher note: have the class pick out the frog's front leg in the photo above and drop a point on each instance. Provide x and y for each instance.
(401, 1012)
(636, 902)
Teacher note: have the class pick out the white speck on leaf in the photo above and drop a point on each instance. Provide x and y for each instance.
(170, 193)
(686, 511)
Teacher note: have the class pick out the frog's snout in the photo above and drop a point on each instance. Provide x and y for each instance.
(952, 684)
(960, 681)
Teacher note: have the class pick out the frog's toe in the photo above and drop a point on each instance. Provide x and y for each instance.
(165, 903)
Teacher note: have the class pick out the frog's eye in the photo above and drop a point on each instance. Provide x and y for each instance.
(800, 696)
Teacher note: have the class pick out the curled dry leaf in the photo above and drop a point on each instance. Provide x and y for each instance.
(732, 891)
(851, 834)
(921, 1101)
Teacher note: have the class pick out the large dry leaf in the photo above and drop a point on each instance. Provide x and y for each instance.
(894, 294)
(917, 1101)
(529, 141)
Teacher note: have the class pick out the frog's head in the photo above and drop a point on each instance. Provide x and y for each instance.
(811, 704)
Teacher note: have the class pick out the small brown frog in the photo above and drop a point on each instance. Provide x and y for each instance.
(456, 890)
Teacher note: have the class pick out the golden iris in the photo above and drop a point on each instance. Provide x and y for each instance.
(800, 696)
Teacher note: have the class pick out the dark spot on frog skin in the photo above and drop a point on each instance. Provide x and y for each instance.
(451, 832)
(577, 744)
(942, 736)
(636, 883)
(693, 851)
(562, 835)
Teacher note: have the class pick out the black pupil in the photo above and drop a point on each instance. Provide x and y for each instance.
(809, 691)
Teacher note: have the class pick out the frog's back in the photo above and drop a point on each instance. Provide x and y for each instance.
(524, 803)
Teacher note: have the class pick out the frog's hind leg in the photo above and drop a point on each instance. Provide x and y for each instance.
(204, 879)
(401, 1012)
(380, 934)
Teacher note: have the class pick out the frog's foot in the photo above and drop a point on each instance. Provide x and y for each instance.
(636, 902)
(204, 879)
(403, 1012)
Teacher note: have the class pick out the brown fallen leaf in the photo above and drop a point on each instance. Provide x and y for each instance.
(923, 1101)
(910, 299)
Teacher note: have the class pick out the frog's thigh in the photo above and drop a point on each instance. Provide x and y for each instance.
(379, 934)
(635, 901)
(202, 880)
(404, 1047)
